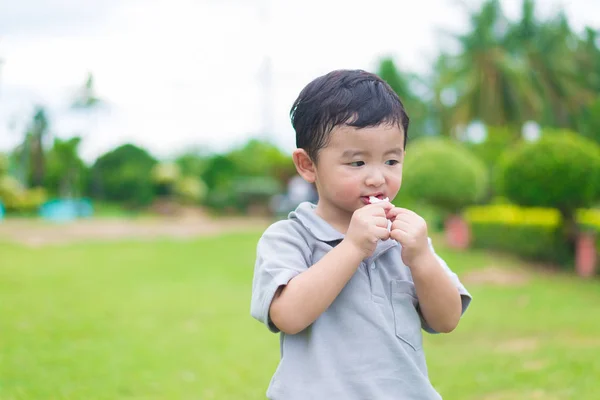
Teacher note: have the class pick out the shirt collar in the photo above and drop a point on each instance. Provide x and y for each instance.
(305, 214)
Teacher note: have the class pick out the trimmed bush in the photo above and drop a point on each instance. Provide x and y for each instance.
(507, 214)
(444, 174)
(124, 175)
(538, 243)
(558, 171)
(530, 232)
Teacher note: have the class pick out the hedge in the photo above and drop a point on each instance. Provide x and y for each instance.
(532, 233)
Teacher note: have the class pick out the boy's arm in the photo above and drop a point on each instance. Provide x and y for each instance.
(442, 301)
(299, 303)
(310, 293)
(439, 299)
(289, 294)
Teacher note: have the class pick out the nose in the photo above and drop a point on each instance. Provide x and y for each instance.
(375, 177)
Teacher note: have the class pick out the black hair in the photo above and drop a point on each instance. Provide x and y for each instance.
(352, 97)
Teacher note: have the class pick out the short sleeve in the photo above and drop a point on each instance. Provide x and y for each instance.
(282, 253)
(465, 296)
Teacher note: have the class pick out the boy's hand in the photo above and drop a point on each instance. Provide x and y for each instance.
(369, 224)
(410, 230)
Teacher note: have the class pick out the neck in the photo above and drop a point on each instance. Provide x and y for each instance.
(338, 219)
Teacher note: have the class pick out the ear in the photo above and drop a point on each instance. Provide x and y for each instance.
(304, 165)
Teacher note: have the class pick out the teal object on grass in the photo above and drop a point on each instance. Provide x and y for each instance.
(64, 210)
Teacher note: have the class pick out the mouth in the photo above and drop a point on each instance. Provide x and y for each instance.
(374, 198)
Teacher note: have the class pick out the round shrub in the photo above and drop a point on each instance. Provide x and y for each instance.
(444, 173)
(124, 175)
(559, 171)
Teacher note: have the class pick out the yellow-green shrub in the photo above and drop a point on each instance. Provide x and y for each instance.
(513, 215)
(16, 198)
(3, 164)
(533, 233)
(190, 190)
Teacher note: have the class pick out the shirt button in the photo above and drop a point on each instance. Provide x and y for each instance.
(373, 266)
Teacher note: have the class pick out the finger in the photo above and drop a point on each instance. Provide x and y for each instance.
(384, 205)
(387, 206)
(381, 222)
(399, 236)
(379, 209)
(382, 233)
(402, 225)
(405, 217)
(408, 218)
(394, 212)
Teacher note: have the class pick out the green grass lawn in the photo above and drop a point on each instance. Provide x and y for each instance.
(170, 320)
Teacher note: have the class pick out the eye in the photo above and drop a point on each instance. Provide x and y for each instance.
(357, 163)
(392, 162)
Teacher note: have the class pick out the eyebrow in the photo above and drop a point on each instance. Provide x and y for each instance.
(395, 150)
(356, 153)
(352, 153)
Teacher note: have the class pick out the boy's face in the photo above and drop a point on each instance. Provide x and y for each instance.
(356, 164)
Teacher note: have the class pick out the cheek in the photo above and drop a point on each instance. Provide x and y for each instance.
(395, 181)
(347, 185)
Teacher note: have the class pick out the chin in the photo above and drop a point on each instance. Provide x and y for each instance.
(348, 208)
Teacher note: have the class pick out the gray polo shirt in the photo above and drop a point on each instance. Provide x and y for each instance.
(368, 344)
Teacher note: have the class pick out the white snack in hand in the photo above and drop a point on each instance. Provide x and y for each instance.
(373, 199)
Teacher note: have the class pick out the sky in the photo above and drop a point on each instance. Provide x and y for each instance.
(180, 75)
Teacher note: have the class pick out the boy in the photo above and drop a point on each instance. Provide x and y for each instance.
(350, 282)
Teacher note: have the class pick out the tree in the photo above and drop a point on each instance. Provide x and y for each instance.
(561, 170)
(547, 49)
(487, 82)
(247, 175)
(192, 163)
(86, 97)
(31, 151)
(124, 175)
(401, 83)
(588, 56)
(507, 73)
(262, 158)
(66, 171)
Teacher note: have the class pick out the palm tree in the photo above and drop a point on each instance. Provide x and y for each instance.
(86, 97)
(589, 56)
(546, 48)
(32, 149)
(65, 168)
(490, 84)
(87, 101)
(507, 73)
(403, 84)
